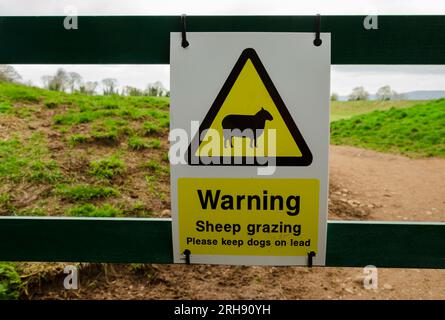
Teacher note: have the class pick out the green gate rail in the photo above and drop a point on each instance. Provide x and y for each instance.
(145, 40)
(352, 244)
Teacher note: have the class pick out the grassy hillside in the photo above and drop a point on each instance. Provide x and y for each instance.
(78, 155)
(414, 131)
(346, 109)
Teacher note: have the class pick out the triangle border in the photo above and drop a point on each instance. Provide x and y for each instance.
(306, 155)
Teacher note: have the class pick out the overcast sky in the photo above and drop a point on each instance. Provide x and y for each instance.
(344, 78)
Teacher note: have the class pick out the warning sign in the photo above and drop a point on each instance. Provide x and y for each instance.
(260, 217)
(248, 121)
(249, 141)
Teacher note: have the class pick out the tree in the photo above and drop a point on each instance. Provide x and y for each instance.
(57, 82)
(334, 96)
(9, 74)
(155, 89)
(132, 91)
(88, 88)
(109, 86)
(385, 93)
(46, 79)
(74, 80)
(358, 93)
(60, 80)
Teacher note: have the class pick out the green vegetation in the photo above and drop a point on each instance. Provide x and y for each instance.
(90, 210)
(346, 109)
(414, 131)
(153, 165)
(107, 168)
(149, 128)
(104, 119)
(91, 108)
(139, 209)
(6, 205)
(51, 104)
(138, 143)
(27, 158)
(5, 107)
(10, 283)
(15, 93)
(31, 212)
(156, 167)
(84, 192)
(78, 138)
(154, 143)
(12, 93)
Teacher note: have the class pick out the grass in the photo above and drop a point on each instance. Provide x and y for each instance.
(417, 131)
(39, 212)
(156, 167)
(107, 168)
(90, 210)
(5, 107)
(14, 93)
(79, 138)
(107, 118)
(346, 109)
(139, 209)
(95, 109)
(27, 158)
(138, 143)
(44, 171)
(110, 136)
(85, 192)
(110, 130)
(18, 95)
(150, 128)
(10, 282)
(6, 205)
(51, 104)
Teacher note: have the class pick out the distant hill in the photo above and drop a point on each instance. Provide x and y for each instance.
(411, 95)
(424, 95)
(413, 131)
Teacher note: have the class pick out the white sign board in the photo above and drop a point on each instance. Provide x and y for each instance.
(249, 147)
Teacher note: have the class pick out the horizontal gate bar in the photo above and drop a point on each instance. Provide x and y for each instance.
(349, 244)
(145, 39)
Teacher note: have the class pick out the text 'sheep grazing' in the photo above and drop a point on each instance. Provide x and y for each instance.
(265, 202)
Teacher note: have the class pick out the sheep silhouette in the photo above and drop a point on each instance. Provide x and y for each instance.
(248, 126)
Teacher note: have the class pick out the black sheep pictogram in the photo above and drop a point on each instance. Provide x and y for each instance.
(249, 126)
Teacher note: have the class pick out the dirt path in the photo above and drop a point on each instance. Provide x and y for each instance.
(393, 187)
(364, 185)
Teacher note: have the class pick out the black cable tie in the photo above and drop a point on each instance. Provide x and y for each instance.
(184, 42)
(317, 41)
(187, 253)
(310, 256)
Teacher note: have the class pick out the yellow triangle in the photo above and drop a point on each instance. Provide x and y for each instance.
(249, 100)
